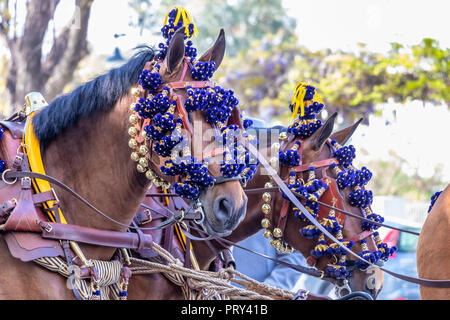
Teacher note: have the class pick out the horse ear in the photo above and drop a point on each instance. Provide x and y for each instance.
(175, 51)
(319, 137)
(216, 52)
(343, 135)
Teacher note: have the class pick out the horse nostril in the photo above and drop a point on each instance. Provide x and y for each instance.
(223, 208)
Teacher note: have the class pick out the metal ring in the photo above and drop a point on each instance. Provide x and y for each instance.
(182, 216)
(4, 180)
(199, 209)
(24, 148)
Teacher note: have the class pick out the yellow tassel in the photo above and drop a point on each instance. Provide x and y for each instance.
(298, 99)
(185, 17)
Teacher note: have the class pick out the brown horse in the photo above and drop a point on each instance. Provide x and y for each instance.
(84, 143)
(315, 149)
(433, 255)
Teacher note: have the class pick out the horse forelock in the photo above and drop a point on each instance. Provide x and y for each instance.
(97, 95)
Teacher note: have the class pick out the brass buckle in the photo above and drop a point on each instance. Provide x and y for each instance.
(25, 179)
(149, 215)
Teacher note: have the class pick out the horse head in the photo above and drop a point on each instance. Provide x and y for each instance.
(195, 109)
(316, 177)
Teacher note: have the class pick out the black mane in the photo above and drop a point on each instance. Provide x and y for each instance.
(99, 94)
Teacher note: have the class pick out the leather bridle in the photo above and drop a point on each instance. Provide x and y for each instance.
(293, 199)
(183, 114)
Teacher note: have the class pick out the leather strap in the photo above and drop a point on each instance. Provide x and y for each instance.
(115, 239)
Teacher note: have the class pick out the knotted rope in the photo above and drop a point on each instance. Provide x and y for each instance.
(214, 282)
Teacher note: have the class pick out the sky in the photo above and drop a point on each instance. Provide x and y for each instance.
(342, 24)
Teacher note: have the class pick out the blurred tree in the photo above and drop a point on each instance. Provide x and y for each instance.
(242, 20)
(420, 72)
(29, 70)
(352, 83)
(390, 179)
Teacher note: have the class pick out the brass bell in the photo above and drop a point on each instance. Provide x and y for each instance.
(135, 156)
(144, 135)
(166, 185)
(266, 197)
(265, 223)
(267, 234)
(274, 161)
(277, 233)
(143, 162)
(136, 91)
(283, 136)
(150, 175)
(157, 182)
(268, 185)
(143, 150)
(132, 106)
(132, 131)
(133, 119)
(275, 147)
(275, 243)
(265, 208)
(132, 143)
(289, 249)
(140, 168)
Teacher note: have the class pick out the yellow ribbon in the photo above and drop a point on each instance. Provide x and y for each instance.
(36, 165)
(185, 17)
(298, 99)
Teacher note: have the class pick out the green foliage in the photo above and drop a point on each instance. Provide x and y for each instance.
(242, 20)
(351, 83)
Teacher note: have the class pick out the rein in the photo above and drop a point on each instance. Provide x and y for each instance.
(277, 189)
(298, 204)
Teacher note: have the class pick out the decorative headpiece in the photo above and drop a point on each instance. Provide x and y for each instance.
(310, 104)
(305, 106)
(162, 126)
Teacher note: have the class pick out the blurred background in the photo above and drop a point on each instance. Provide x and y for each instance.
(386, 61)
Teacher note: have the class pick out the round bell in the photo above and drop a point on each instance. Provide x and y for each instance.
(135, 156)
(265, 208)
(132, 143)
(150, 175)
(136, 91)
(268, 185)
(274, 161)
(283, 136)
(275, 147)
(267, 234)
(140, 168)
(157, 182)
(143, 162)
(166, 185)
(143, 150)
(289, 249)
(277, 233)
(265, 223)
(144, 135)
(132, 131)
(132, 106)
(275, 243)
(266, 197)
(133, 119)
